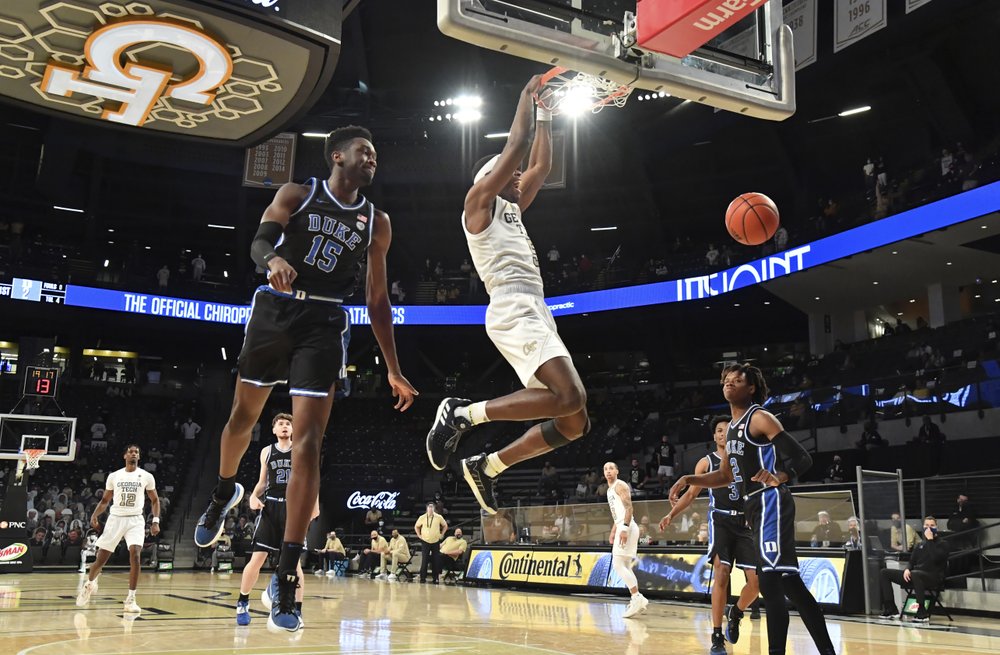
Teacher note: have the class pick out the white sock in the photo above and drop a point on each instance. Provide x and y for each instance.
(131, 595)
(474, 413)
(494, 466)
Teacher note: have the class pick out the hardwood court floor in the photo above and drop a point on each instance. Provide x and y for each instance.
(193, 613)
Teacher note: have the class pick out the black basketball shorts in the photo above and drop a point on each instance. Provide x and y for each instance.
(269, 531)
(302, 343)
(771, 515)
(729, 538)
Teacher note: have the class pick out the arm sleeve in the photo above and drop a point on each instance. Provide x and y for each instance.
(794, 457)
(262, 247)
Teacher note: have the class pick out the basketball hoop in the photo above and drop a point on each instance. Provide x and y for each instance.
(572, 93)
(32, 457)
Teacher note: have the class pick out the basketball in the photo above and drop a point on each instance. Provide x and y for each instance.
(752, 218)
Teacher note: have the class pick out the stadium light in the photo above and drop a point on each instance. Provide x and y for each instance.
(222, 227)
(467, 115)
(604, 229)
(498, 135)
(579, 98)
(856, 110)
(68, 209)
(315, 135)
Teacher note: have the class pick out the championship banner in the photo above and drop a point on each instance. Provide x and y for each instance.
(272, 163)
(665, 572)
(800, 15)
(911, 5)
(853, 20)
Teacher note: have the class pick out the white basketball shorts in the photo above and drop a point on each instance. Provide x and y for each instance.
(130, 528)
(631, 547)
(521, 326)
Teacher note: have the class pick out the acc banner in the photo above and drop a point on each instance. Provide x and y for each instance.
(800, 15)
(915, 4)
(853, 20)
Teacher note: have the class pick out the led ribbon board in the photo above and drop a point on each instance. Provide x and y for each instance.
(937, 215)
(225, 70)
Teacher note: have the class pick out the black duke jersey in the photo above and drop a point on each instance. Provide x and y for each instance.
(727, 499)
(326, 241)
(747, 455)
(279, 470)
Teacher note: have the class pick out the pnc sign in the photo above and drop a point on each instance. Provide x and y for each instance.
(136, 87)
(234, 71)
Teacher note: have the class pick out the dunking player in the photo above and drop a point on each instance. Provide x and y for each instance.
(312, 240)
(275, 471)
(517, 320)
(729, 540)
(128, 487)
(756, 441)
(624, 538)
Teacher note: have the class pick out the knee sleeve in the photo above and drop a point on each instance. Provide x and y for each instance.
(552, 436)
(620, 564)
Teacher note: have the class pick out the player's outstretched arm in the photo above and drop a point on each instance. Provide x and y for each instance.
(280, 273)
(795, 459)
(380, 310)
(685, 501)
(721, 478)
(539, 161)
(480, 197)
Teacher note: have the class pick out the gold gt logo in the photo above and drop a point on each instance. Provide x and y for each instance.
(136, 86)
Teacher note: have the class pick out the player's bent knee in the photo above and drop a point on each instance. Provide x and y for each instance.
(571, 400)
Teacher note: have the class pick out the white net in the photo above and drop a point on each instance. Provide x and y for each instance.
(32, 458)
(572, 93)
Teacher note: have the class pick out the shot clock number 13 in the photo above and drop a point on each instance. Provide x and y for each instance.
(39, 381)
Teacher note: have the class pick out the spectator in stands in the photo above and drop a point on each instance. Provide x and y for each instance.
(466, 267)
(587, 485)
(601, 493)
(374, 562)
(373, 519)
(636, 477)
(665, 459)
(853, 534)
(712, 256)
(399, 553)
(963, 518)
(39, 539)
(869, 172)
(925, 570)
(826, 533)
(332, 551)
(223, 545)
(190, 429)
(441, 295)
(197, 268)
(439, 504)
(398, 295)
(896, 532)
(163, 277)
(870, 436)
(549, 479)
(701, 536)
(98, 430)
(553, 256)
(780, 238)
(452, 550)
(835, 472)
(929, 433)
(438, 270)
(449, 486)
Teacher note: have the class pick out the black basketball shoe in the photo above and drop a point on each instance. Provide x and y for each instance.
(718, 644)
(473, 469)
(443, 438)
(733, 616)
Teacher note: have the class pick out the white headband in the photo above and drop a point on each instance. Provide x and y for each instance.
(487, 168)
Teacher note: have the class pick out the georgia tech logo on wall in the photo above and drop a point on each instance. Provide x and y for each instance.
(136, 87)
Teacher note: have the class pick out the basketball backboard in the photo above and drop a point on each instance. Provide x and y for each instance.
(748, 68)
(55, 434)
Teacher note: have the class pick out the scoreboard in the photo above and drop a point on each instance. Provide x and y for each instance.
(34, 291)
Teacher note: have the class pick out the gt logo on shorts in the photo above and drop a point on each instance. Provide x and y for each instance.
(530, 347)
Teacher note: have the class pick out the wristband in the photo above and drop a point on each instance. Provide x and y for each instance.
(543, 114)
(156, 519)
(620, 526)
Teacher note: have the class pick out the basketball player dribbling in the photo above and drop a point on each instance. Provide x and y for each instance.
(312, 240)
(518, 321)
(275, 471)
(729, 540)
(756, 441)
(624, 538)
(128, 488)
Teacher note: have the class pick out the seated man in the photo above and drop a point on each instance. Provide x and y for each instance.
(827, 533)
(399, 552)
(374, 560)
(925, 570)
(452, 550)
(332, 551)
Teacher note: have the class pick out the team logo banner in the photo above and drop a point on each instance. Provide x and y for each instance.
(213, 70)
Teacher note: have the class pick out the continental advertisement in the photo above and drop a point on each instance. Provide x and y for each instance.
(667, 573)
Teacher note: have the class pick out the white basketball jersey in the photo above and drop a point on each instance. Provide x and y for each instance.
(129, 489)
(616, 504)
(503, 253)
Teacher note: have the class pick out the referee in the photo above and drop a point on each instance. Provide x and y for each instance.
(430, 527)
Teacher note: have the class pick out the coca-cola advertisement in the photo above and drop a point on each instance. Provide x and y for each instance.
(382, 500)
